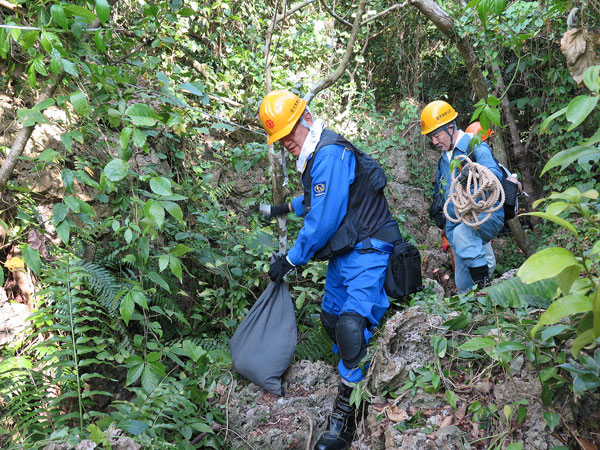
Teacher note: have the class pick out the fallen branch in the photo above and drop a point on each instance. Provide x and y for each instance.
(13, 8)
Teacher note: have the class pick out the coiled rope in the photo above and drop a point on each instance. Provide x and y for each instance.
(487, 190)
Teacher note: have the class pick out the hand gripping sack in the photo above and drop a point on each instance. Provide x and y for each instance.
(263, 345)
(404, 271)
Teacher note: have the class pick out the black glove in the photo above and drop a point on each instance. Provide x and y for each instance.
(280, 267)
(464, 176)
(270, 211)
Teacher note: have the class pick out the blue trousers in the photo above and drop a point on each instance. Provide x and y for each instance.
(354, 284)
(468, 247)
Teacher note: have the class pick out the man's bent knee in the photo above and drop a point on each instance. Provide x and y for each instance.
(350, 338)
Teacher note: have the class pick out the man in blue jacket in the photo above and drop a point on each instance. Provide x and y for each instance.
(438, 123)
(347, 222)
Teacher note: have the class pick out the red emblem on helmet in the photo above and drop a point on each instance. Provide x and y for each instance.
(270, 123)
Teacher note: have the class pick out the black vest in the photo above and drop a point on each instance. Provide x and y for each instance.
(367, 207)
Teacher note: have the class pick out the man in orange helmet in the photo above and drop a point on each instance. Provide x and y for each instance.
(438, 122)
(347, 222)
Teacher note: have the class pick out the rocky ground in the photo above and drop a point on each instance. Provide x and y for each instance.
(258, 420)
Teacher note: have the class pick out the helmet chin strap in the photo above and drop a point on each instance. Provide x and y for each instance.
(303, 121)
(445, 128)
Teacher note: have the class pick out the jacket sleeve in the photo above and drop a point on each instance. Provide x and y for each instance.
(332, 173)
(298, 205)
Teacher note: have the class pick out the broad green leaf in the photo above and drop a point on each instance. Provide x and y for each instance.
(173, 208)
(58, 15)
(159, 280)
(96, 434)
(483, 11)
(515, 445)
(80, 103)
(571, 195)
(63, 231)
(546, 263)
(163, 262)
(194, 87)
(139, 298)
(175, 266)
(68, 179)
(591, 78)
(558, 220)
(591, 194)
(133, 374)
(154, 212)
(514, 293)
(583, 383)
(583, 339)
(99, 40)
(180, 250)
(563, 307)
(32, 258)
(566, 279)
(127, 307)
(102, 10)
(134, 427)
(69, 67)
(452, 398)
(59, 213)
(569, 156)
(48, 155)
(141, 115)
(457, 323)
(550, 119)
(557, 208)
(477, 343)
(152, 374)
(116, 170)
(493, 101)
(81, 12)
(72, 203)
(509, 346)
(161, 186)
(579, 108)
(596, 313)
(498, 6)
(139, 137)
(124, 138)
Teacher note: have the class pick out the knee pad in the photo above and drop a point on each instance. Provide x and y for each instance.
(329, 322)
(350, 336)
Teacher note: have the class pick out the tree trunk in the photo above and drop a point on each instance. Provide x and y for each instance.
(276, 159)
(22, 137)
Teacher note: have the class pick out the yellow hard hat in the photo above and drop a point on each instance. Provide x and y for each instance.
(436, 114)
(279, 112)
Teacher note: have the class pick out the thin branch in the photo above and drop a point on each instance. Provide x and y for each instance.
(13, 8)
(293, 10)
(384, 12)
(333, 14)
(330, 79)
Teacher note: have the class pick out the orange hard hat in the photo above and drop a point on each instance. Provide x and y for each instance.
(475, 128)
(436, 114)
(279, 112)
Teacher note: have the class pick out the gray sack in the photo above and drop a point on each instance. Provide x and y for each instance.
(263, 345)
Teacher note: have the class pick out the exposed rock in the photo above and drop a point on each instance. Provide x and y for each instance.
(12, 320)
(405, 346)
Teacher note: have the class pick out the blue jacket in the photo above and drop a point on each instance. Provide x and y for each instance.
(443, 179)
(332, 172)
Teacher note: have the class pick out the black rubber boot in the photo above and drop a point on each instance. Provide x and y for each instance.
(342, 423)
(480, 276)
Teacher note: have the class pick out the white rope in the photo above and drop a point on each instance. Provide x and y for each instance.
(478, 196)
